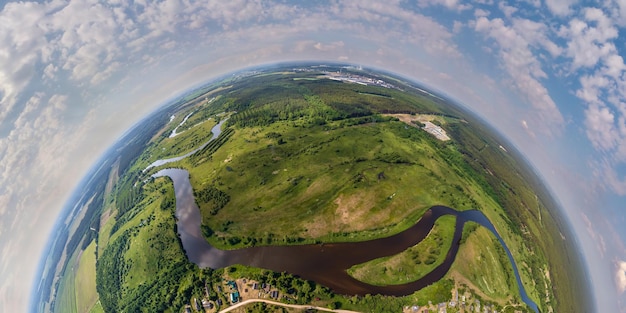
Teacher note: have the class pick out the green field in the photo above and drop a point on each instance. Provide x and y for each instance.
(483, 266)
(97, 308)
(66, 295)
(86, 295)
(413, 263)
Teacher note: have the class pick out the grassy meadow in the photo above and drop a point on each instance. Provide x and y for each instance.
(482, 265)
(85, 281)
(413, 263)
(66, 294)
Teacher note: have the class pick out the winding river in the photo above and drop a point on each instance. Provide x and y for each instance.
(216, 130)
(326, 264)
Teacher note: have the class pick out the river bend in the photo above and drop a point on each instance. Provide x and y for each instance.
(326, 264)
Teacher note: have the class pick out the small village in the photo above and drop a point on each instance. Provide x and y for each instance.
(465, 302)
(453, 307)
(231, 292)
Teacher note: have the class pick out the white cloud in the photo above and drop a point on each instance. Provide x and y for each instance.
(35, 155)
(481, 12)
(506, 9)
(20, 41)
(589, 40)
(595, 59)
(535, 33)
(596, 236)
(401, 25)
(450, 4)
(600, 120)
(457, 27)
(591, 88)
(560, 7)
(620, 276)
(328, 47)
(614, 66)
(618, 11)
(516, 55)
(617, 184)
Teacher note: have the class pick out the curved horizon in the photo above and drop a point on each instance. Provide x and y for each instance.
(207, 251)
(548, 76)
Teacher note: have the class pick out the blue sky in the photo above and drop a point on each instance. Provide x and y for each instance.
(548, 74)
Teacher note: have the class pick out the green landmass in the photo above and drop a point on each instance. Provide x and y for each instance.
(483, 264)
(314, 160)
(413, 263)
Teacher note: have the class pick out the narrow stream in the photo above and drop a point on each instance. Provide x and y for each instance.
(216, 130)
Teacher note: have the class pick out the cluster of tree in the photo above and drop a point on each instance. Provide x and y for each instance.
(129, 192)
(379, 303)
(135, 142)
(281, 110)
(371, 98)
(301, 290)
(121, 220)
(431, 254)
(212, 198)
(168, 203)
(365, 119)
(159, 294)
(308, 107)
(468, 228)
(111, 269)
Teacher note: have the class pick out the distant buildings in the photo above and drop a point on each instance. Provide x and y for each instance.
(274, 294)
(207, 305)
(234, 297)
(436, 131)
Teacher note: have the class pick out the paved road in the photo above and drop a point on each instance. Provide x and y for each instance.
(295, 306)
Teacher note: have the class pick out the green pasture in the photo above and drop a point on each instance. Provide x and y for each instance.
(413, 263)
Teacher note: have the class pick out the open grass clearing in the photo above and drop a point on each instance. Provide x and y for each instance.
(484, 263)
(66, 294)
(85, 281)
(97, 308)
